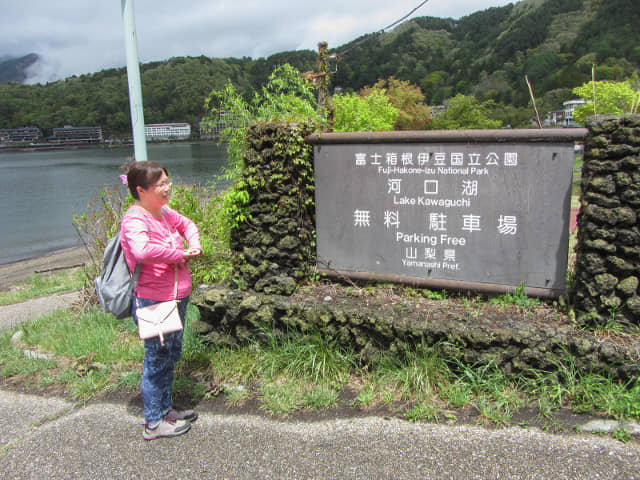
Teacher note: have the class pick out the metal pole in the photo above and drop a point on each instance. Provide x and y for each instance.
(135, 88)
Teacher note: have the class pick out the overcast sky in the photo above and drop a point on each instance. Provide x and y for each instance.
(84, 36)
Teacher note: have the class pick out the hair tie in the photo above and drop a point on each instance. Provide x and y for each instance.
(123, 179)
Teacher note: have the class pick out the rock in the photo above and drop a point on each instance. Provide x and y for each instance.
(608, 426)
(199, 327)
(625, 216)
(621, 265)
(599, 244)
(250, 303)
(606, 201)
(628, 286)
(623, 179)
(610, 302)
(633, 304)
(215, 295)
(628, 236)
(605, 184)
(582, 346)
(631, 162)
(605, 283)
(276, 285)
(594, 264)
(289, 243)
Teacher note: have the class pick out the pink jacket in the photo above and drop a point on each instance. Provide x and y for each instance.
(158, 245)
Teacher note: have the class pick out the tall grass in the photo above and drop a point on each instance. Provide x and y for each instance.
(94, 333)
(309, 357)
(584, 392)
(414, 374)
(93, 353)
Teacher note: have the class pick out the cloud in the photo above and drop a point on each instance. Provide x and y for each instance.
(80, 36)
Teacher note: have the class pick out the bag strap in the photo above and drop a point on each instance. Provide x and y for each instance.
(136, 272)
(175, 283)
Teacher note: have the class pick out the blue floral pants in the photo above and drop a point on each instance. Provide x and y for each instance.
(159, 361)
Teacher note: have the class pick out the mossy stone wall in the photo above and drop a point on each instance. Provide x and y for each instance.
(235, 317)
(275, 250)
(607, 270)
(273, 247)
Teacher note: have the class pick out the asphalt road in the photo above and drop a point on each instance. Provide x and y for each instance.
(49, 438)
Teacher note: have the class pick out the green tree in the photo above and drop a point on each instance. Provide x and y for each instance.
(616, 98)
(287, 97)
(466, 112)
(370, 113)
(408, 99)
(432, 86)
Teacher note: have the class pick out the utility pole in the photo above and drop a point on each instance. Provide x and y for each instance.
(135, 87)
(323, 75)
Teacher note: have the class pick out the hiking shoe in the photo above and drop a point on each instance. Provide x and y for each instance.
(166, 429)
(187, 415)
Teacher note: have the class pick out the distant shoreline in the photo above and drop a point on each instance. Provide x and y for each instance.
(45, 254)
(16, 272)
(46, 147)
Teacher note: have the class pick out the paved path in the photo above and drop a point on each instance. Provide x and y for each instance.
(11, 315)
(49, 438)
(14, 273)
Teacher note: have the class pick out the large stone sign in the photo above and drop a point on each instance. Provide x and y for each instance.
(482, 210)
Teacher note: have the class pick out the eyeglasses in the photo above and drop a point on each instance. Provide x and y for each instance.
(164, 184)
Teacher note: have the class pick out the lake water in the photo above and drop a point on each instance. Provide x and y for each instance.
(40, 191)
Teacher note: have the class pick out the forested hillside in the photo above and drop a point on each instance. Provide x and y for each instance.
(173, 91)
(486, 54)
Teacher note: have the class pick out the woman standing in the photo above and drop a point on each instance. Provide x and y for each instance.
(153, 235)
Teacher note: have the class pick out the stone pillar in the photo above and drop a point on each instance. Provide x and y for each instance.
(274, 248)
(608, 249)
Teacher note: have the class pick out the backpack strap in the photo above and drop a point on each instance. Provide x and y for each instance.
(136, 270)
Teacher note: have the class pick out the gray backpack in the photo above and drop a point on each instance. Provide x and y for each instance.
(116, 285)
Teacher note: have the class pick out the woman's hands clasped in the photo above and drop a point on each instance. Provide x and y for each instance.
(191, 253)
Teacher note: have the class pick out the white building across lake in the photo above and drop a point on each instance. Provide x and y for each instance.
(569, 108)
(167, 131)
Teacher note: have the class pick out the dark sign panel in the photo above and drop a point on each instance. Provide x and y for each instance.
(475, 212)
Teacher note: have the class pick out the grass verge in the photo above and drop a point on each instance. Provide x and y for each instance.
(39, 285)
(91, 354)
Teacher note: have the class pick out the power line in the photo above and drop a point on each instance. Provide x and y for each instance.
(403, 18)
(381, 31)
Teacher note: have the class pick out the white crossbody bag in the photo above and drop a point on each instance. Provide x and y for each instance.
(161, 318)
